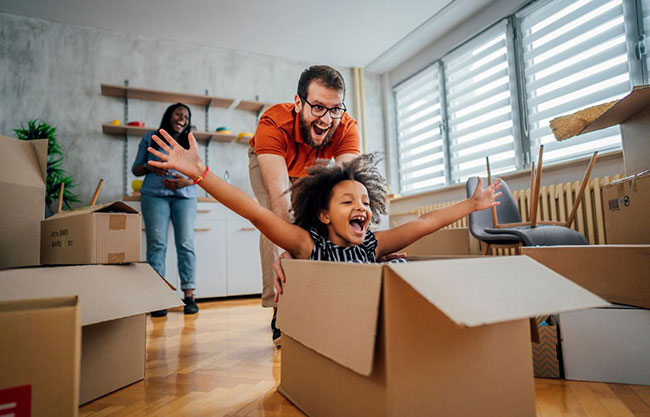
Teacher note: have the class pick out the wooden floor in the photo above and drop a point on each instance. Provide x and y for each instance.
(221, 362)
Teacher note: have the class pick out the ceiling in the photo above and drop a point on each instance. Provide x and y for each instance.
(376, 34)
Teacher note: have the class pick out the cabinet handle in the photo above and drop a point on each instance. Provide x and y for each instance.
(204, 211)
(202, 229)
(247, 229)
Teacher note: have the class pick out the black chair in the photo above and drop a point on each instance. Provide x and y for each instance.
(502, 227)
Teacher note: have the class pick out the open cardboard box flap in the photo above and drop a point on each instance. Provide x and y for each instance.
(333, 308)
(114, 207)
(27, 165)
(107, 292)
(628, 106)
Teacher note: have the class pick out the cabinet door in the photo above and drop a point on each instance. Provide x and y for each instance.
(210, 249)
(244, 270)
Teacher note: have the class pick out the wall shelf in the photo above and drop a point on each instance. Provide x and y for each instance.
(253, 106)
(121, 130)
(166, 96)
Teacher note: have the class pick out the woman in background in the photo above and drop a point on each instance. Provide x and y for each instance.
(167, 194)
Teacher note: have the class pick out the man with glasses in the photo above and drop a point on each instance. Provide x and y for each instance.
(288, 139)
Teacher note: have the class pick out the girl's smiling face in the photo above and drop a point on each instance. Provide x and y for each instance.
(348, 214)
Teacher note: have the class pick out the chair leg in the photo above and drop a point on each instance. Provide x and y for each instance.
(486, 248)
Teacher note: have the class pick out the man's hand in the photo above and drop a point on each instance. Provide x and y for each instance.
(486, 198)
(278, 275)
(177, 182)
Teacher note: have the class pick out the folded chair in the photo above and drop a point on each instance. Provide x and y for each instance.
(501, 226)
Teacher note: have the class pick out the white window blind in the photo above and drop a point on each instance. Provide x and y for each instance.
(479, 110)
(574, 56)
(420, 142)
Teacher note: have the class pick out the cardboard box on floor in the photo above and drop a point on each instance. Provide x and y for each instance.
(626, 203)
(444, 337)
(617, 273)
(103, 234)
(114, 301)
(610, 344)
(632, 113)
(41, 348)
(445, 242)
(23, 169)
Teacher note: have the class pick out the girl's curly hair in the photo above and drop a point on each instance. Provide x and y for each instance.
(311, 194)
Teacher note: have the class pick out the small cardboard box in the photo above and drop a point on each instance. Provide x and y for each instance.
(114, 301)
(632, 112)
(41, 350)
(23, 169)
(618, 273)
(103, 234)
(609, 344)
(428, 338)
(626, 203)
(445, 242)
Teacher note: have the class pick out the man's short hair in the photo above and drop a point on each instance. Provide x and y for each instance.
(325, 75)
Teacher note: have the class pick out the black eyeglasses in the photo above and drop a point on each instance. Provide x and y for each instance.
(319, 111)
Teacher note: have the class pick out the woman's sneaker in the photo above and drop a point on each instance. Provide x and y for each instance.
(277, 334)
(190, 305)
(159, 313)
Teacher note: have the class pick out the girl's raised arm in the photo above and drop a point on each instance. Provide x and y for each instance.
(288, 236)
(393, 240)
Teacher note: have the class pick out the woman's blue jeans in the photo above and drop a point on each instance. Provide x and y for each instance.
(156, 212)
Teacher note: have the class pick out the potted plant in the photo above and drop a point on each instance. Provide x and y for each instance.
(39, 129)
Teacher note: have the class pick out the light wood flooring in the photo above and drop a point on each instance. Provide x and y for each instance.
(221, 362)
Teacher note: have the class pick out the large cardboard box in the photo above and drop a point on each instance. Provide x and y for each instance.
(445, 242)
(23, 170)
(428, 338)
(114, 302)
(618, 273)
(627, 209)
(632, 113)
(102, 234)
(610, 344)
(41, 348)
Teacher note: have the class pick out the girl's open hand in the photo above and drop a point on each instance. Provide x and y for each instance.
(486, 198)
(176, 157)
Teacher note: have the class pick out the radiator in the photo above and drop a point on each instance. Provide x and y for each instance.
(555, 203)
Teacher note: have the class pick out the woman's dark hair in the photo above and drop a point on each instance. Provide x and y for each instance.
(311, 194)
(325, 75)
(166, 124)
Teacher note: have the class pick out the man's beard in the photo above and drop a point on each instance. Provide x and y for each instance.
(305, 131)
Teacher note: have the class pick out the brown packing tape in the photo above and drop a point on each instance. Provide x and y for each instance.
(117, 222)
(116, 258)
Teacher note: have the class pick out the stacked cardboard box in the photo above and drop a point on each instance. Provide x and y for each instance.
(605, 344)
(442, 337)
(41, 347)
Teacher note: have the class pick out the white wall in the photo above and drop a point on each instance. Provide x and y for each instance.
(53, 71)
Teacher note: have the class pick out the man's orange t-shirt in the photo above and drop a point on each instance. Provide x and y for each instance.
(278, 133)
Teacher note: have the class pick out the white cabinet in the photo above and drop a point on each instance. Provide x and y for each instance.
(243, 257)
(227, 254)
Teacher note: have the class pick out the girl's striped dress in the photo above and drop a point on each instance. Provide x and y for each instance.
(324, 250)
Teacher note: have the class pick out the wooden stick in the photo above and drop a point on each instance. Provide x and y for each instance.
(99, 187)
(495, 220)
(60, 197)
(581, 193)
(535, 197)
(532, 190)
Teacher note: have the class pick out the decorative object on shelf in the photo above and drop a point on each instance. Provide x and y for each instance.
(116, 122)
(56, 175)
(224, 130)
(244, 135)
(136, 185)
(136, 124)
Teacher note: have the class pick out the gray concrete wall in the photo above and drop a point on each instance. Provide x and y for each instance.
(53, 71)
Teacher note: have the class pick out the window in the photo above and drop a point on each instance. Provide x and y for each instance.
(479, 110)
(419, 132)
(574, 56)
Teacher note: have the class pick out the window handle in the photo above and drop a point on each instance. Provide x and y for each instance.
(639, 48)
